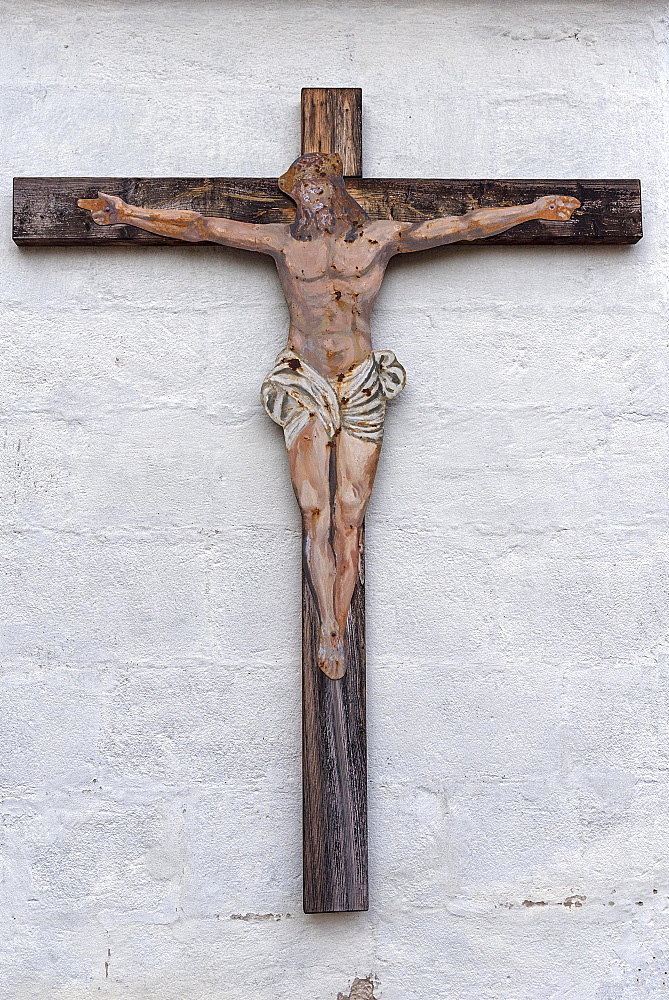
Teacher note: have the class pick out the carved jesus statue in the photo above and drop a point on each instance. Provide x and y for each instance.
(328, 389)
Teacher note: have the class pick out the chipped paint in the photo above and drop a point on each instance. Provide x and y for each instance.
(361, 989)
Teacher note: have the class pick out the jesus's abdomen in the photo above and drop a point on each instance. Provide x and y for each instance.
(331, 353)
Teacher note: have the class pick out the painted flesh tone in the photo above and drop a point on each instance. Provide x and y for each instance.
(331, 262)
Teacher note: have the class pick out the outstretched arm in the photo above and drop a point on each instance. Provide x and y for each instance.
(180, 224)
(482, 222)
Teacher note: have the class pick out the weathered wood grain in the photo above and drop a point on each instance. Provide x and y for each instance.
(46, 212)
(332, 123)
(334, 767)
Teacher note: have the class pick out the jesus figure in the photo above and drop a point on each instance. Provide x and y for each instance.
(328, 389)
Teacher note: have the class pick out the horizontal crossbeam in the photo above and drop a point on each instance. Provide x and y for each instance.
(46, 212)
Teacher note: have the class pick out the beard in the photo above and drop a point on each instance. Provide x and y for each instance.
(324, 219)
(310, 223)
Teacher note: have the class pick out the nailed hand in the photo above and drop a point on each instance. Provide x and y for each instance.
(105, 209)
(556, 207)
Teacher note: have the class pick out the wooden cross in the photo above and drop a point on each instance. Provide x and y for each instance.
(334, 739)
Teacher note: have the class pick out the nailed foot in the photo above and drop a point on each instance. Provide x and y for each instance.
(331, 658)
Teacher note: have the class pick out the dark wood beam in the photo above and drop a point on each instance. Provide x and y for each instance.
(46, 212)
(334, 766)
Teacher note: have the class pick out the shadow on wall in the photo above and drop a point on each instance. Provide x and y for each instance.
(362, 989)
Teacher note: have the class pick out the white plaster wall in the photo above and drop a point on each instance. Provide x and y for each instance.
(517, 559)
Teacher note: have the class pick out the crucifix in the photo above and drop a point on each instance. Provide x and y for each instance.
(331, 233)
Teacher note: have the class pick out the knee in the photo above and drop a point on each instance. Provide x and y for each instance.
(316, 520)
(349, 513)
(314, 504)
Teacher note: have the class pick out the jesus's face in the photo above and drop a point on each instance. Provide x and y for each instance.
(316, 196)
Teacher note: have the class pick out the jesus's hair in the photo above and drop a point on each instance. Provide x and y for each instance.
(342, 208)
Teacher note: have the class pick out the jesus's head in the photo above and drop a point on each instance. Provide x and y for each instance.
(316, 185)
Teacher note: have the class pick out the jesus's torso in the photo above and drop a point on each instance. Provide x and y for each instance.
(331, 287)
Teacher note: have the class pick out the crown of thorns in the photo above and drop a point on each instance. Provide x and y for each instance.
(312, 166)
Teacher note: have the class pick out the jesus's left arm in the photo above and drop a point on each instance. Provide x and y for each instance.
(480, 223)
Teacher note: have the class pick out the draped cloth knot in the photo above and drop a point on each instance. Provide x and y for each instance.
(294, 393)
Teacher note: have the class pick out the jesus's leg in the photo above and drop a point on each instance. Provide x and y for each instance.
(356, 462)
(309, 457)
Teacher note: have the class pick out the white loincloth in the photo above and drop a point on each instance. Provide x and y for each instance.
(293, 393)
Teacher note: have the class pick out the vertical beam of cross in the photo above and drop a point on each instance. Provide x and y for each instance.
(334, 739)
(332, 123)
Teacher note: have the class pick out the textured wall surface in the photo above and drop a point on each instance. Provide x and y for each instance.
(517, 549)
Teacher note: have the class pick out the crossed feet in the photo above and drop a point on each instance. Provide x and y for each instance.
(331, 657)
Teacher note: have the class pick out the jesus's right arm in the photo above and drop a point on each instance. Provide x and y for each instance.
(181, 224)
